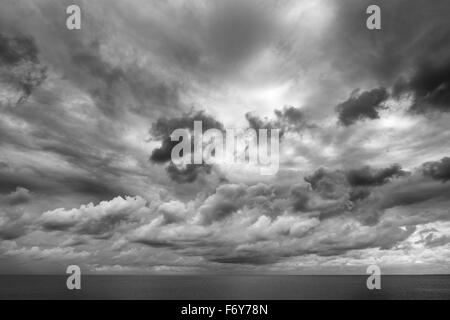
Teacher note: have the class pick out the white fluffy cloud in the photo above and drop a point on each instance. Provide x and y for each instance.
(99, 220)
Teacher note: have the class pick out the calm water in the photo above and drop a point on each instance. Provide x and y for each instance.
(225, 287)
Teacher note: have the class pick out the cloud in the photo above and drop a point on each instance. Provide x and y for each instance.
(12, 226)
(162, 130)
(79, 141)
(410, 57)
(355, 183)
(238, 30)
(439, 170)
(289, 119)
(411, 37)
(18, 197)
(223, 203)
(368, 177)
(432, 242)
(20, 66)
(360, 106)
(247, 221)
(429, 88)
(15, 221)
(263, 224)
(109, 83)
(173, 211)
(331, 185)
(55, 183)
(246, 258)
(99, 221)
(56, 253)
(17, 49)
(189, 173)
(365, 192)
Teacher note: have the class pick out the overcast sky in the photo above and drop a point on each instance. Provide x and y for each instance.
(85, 116)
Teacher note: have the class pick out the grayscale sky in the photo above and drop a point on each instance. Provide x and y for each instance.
(85, 116)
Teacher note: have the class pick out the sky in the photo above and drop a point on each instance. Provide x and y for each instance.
(86, 176)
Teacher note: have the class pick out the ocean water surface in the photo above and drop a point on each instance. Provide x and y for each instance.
(225, 287)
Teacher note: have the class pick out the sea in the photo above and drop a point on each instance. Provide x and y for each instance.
(221, 287)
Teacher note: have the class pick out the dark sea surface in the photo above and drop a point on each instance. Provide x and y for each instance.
(225, 287)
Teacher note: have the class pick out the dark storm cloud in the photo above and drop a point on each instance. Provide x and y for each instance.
(369, 177)
(158, 244)
(301, 199)
(325, 179)
(13, 229)
(439, 170)
(407, 38)
(13, 222)
(97, 187)
(51, 130)
(93, 151)
(188, 174)
(74, 135)
(409, 54)
(10, 180)
(257, 123)
(109, 83)
(90, 61)
(290, 115)
(15, 50)
(162, 130)
(359, 194)
(409, 195)
(289, 119)
(429, 87)
(342, 186)
(163, 154)
(55, 183)
(18, 197)
(20, 65)
(365, 105)
(432, 241)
